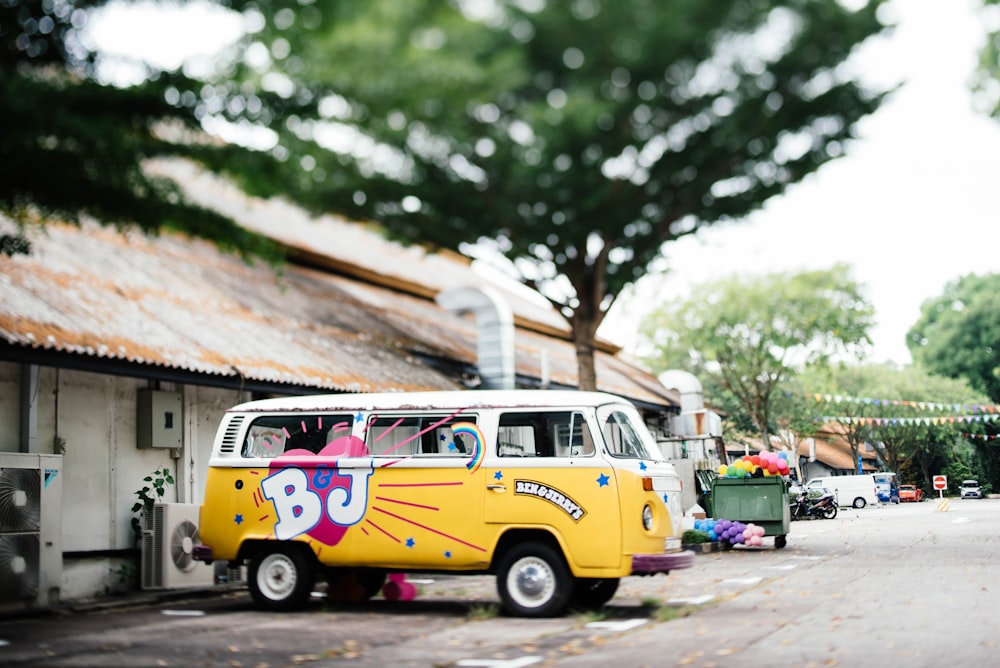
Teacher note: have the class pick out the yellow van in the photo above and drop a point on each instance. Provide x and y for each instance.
(558, 493)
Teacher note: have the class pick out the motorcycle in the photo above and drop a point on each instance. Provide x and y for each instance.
(823, 506)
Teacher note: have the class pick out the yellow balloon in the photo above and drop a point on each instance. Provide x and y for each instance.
(722, 469)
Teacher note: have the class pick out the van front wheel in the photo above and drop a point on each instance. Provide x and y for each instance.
(534, 581)
(860, 502)
(592, 593)
(280, 578)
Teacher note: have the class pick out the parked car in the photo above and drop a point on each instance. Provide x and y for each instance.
(970, 489)
(910, 493)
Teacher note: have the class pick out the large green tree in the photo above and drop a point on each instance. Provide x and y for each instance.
(958, 333)
(751, 335)
(72, 146)
(574, 138)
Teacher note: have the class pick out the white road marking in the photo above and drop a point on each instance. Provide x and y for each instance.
(500, 663)
(624, 625)
(692, 600)
(183, 613)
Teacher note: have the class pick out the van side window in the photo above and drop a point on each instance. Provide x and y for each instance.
(272, 435)
(418, 435)
(621, 437)
(544, 434)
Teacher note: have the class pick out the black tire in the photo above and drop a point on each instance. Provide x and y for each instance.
(534, 581)
(780, 541)
(371, 580)
(830, 513)
(281, 577)
(592, 593)
(860, 502)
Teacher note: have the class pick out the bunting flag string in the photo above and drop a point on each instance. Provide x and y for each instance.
(985, 409)
(985, 437)
(904, 421)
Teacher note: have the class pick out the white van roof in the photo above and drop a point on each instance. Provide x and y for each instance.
(463, 399)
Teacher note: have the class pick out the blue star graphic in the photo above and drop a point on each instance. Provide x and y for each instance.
(238, 519)
(498, 475)
(410, 542)
(447, 554)
(358, 417)
(642, 466)
(602, 481)
(665, 497)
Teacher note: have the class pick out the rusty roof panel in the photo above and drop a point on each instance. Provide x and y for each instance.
(179, 303)
(176, 302)
(347, 242)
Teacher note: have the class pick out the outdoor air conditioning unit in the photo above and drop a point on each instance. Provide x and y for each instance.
(169, 534)
(30, 529)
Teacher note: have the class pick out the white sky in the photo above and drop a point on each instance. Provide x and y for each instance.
(910, 208)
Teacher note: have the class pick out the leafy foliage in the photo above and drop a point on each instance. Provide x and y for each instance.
(153, 491)
(750, 335)
(958, 333)
(914, 450)
(80, 145)
(988, 75)
(573, 138)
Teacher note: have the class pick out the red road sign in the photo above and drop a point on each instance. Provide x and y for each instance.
(940, 482)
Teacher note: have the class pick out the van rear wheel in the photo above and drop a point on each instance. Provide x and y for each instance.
(281, 577)
(534, 581)
(860, 502)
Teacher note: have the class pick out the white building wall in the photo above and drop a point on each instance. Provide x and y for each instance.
(94, 418)
(10, 418)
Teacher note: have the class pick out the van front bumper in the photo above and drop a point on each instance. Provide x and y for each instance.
(648, 564)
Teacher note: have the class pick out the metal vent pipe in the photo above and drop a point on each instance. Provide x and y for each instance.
(495, 331)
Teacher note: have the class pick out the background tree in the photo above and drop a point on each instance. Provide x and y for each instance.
(988, 75)
(902, 413)
(574, 138)
(750, 335)
(73, 146)
(958, 333)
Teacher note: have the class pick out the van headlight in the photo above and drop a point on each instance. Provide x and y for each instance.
(647, 518)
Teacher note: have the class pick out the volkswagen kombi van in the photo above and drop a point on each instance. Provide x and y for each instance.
(558, 493)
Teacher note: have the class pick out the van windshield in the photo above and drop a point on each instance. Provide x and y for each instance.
(626, 436)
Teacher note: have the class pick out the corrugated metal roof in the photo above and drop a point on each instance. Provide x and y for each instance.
(359, 246)
(179, 303)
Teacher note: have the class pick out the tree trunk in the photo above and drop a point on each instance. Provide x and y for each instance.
(586, 370)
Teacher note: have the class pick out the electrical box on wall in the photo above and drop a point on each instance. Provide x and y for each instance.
(158, 419)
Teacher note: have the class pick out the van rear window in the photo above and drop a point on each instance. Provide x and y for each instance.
(273, 435)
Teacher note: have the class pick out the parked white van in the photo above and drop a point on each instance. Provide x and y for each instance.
(558, 493)
(851, 490)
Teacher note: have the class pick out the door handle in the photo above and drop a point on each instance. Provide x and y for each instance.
(497, 488)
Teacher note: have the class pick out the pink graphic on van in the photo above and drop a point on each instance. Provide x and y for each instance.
(318, 499)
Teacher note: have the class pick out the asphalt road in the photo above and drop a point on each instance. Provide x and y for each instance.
(910, 585)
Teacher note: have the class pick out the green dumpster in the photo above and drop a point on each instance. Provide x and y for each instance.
(763, 501)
